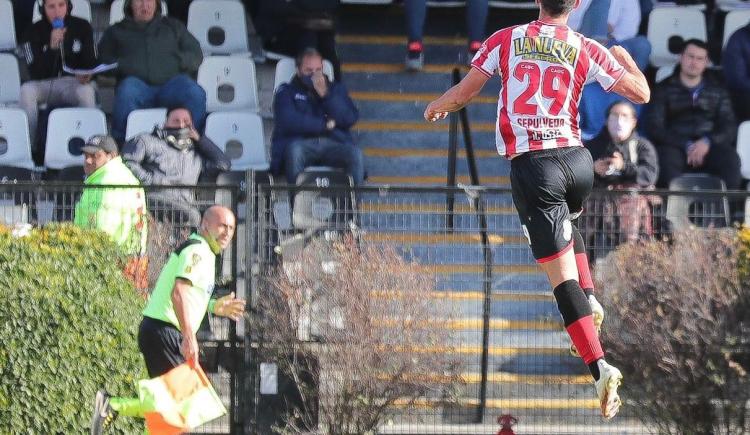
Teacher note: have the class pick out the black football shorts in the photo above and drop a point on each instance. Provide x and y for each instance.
(549, 189)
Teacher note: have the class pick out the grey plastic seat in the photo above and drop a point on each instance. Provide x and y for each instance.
(698, 210)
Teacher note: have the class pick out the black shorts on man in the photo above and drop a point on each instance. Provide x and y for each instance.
(549, 189)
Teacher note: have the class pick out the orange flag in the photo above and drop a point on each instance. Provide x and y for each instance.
(180, 400)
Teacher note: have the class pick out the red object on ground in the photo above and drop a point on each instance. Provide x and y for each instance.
(506, 422)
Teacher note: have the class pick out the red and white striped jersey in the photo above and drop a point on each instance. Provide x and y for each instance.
(543, 68)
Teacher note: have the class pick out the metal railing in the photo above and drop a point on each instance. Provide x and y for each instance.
(503, 332)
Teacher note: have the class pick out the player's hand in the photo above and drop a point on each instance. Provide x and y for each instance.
(189, 348)
(432, 115)
(617, 161)
(229, 306)
(194, 134)
(597, 312)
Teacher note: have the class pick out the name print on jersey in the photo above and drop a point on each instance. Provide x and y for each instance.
(545, 49)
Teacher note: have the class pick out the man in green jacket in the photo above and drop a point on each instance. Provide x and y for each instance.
(119, 212)
(157, 59)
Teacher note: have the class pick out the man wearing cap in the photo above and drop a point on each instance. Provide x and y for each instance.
(118, 211)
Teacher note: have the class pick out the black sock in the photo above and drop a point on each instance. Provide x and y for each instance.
(594, 369)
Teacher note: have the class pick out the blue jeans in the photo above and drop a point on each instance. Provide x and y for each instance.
(323, 151)
(133, 93)
(476, 18)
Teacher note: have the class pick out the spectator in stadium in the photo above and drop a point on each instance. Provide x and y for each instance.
(119, 212)
(173, 155)
(58, 38)
(157, 58)
(313, 117)
(416, 11)
(736, 65)
(622, 160)
(609, 22)
(289, 27)
(692, 123)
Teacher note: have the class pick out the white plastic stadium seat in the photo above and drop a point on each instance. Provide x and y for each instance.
(663, 72)
(7, 26)
(285, 70)
(144, 121)
(240, 136)
(664, 23)
(219, 26)
(81, 9)
(15, 147)
(116, 13)
(733, 22)
(229, 82)
(10, 81)
(367, 2)
(67, 130)
(743, 148)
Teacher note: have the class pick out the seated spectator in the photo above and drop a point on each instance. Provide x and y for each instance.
(58, 38)
(157, 58)
(119, 212)
(416, 11)
(736, 63)
(623, 160)
(691, 121)
(289, 27)
(610, 22)
(313, 117)
(174, 155)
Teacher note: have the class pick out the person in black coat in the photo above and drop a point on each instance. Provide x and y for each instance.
(691, 122)
(57, 39)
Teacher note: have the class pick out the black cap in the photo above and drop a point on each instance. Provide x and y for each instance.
(100, 142)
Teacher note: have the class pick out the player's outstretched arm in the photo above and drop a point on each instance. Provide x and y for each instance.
(633, 84)
(456, 97)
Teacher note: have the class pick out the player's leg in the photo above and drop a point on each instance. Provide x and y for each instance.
(586, 282)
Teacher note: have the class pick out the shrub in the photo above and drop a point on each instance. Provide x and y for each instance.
(350, 325)
(677, 315)
(69, 327)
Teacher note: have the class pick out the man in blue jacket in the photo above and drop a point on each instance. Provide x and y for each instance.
(313, 117)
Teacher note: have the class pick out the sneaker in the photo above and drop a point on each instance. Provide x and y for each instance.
(597, 312)
(414, 57)
(103, 415)
(606, 389)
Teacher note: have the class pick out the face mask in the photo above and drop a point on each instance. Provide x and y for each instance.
(307, 81)
(619, 128)
(178, 138)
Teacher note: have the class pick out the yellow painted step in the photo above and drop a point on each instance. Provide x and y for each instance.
(492, 350)
(502, 378)
(434, 239)
(476, 324)
(436, 180)
(459, 207)
(398, 40)
(507, 297)
(419, 152)
(505, 404)
(447, 269)
(411, 97)
(418, 126)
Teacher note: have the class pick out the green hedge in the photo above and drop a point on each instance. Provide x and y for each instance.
(68, 322)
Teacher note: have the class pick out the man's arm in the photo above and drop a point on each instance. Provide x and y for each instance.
(340, 107)
(291, 121)
(191, 54)
(456, 97)
(632, 85)
(725, 127)
(133, 155)
(214, 159)
(735, 63)
(189, 346)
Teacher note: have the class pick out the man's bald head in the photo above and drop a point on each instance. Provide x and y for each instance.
(217, 226)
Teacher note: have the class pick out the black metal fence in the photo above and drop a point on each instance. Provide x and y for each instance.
(509, 355)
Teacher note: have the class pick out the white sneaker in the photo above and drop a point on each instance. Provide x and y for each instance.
(597, 313)
(606, 389)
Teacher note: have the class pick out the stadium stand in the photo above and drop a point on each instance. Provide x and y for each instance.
(229, 82)
(144, 121)
(67, 131)
(10, 83)
(666, 24)
(7, 26)
(219, 26)
(240, 136)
